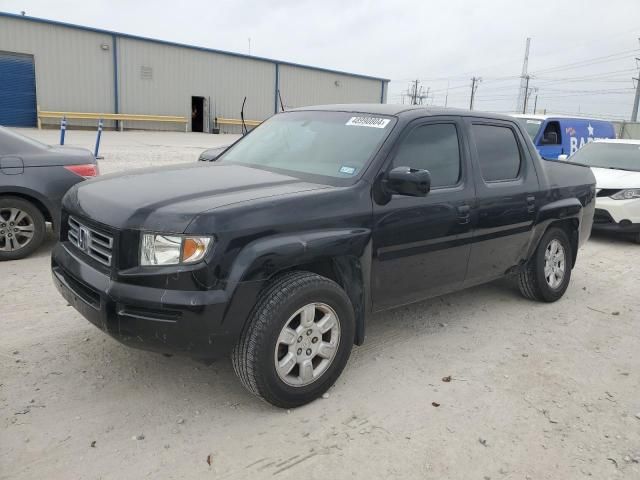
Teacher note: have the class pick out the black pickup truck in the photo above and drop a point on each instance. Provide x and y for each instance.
(279, 250)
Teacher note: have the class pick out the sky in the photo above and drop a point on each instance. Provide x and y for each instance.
(582, 55)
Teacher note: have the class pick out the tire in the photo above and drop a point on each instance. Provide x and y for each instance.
(287, 302)
(534, 283)
(636, 238)
(22, 228)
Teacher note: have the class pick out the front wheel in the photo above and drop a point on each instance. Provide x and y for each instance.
(297, 341)
(546, 276)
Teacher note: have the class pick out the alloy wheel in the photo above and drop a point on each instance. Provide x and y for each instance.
(307, 344)
(554, 263)
(16, 229)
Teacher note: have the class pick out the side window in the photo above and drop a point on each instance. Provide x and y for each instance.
(435, 148)
(551, 135)
(498, 152)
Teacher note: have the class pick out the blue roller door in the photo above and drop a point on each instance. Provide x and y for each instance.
(17, 90)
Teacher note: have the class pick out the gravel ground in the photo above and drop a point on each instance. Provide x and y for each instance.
(537, 391)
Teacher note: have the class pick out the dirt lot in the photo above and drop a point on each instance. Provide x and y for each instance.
(538, 391)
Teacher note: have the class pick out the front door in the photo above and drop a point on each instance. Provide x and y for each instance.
(421, 244)
(550, 142)
(507, 191)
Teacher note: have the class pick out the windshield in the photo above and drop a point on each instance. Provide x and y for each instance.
(623, 156)
(531, 125)
(337, 145)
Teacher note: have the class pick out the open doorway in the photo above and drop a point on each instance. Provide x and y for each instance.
(197, 114)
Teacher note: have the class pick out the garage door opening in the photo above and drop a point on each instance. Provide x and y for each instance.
(17, 90)
(197, 114)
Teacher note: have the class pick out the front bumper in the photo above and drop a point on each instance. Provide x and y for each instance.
(202, 324)
(622, 216)
(617, 215)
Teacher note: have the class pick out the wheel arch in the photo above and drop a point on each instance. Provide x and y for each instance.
(346, 271)
(31, 197)
(566, 214)
(571, 227)
(343, 256)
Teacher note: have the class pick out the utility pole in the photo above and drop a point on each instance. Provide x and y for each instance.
(535, 103)
(524, 80)
(446, 98)
(636, 101)
(474, 86)
(415, 93)
(526, 94)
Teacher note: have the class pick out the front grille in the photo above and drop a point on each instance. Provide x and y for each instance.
(97, 245)
(602, 216)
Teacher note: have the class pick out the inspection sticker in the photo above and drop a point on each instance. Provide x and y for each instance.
(348, 170)
(374, 122)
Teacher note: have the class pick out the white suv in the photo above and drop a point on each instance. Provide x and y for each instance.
(616, 166)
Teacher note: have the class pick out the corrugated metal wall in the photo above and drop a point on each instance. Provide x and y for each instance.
(73, 73)
(174, 74)
(300, 87)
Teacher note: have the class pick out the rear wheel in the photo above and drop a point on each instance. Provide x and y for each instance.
(22, 228)
(546, 276)
(297, 341)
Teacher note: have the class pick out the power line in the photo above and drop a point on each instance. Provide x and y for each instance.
(587, 62)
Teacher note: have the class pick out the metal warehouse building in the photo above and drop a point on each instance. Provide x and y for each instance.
(54, 66)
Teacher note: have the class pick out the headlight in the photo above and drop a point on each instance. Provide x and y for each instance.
(158, 249)
(627, 194)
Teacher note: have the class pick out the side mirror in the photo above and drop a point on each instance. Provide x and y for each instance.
(212, 154)
(563, 157)
(408, 181)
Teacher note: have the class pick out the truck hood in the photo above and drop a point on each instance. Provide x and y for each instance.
(609, 178)
(167, 199)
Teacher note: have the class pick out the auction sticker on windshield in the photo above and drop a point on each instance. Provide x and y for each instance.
(347, 170)
(374, 122)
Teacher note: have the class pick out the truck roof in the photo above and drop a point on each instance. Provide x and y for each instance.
(397, 110)
(546, 117)
(626, 141)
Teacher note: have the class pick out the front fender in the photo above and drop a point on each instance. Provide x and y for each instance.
(348, 251)
(263, 258)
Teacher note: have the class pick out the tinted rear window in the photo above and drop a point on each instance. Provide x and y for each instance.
(498, 152)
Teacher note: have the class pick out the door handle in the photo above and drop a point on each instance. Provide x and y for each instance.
(464, 214)
(531, 203)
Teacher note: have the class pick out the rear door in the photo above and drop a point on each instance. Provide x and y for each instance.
(506, 198)
(421, 244)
